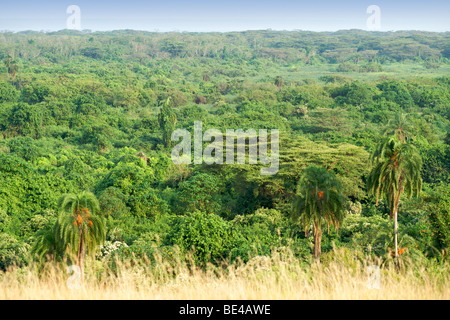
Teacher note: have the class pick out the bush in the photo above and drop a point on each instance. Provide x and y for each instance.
(113, 202)
(198, 193)
(347, 67)
(12, 252)
(208, 235)
(5, 221)
(256, 234)
(8, 93)
(436, 204)
(371, 67)
(369, 234)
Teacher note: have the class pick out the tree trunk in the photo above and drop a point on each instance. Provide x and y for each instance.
(317, 241)
(81, 254)
(395, 233)
(396, 203)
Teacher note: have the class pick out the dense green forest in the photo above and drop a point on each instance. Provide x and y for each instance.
(93, 112)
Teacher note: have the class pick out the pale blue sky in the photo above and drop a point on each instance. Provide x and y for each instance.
(230, 15)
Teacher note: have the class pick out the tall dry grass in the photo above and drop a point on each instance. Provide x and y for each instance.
(343, 276)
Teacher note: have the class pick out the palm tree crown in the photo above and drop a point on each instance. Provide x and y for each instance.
(396, 170)
(401, 127)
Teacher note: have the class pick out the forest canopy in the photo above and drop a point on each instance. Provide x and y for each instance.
(93, 112)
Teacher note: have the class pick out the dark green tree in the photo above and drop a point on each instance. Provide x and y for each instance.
(11, 67)
(319, 198)
(197, 193)
(167, 120)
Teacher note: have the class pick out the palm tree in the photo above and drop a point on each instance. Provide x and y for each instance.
(319, 198)
(396, 170)
(79, 225)
(46, 244)
(399, 126)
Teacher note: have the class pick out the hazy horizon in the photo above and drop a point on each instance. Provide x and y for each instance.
(228, 16)
(212, 31)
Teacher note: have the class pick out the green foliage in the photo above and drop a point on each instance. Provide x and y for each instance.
(369, 234)
(113, 202)
(8, 93)
(66, 127)
(436, 203)
(319, 199)
(12, 252)
(436, 162)
(93, 52)
(258, 234)
(80, 223)
(5, 221)
(355, 94)
(25, 191)
(198, 193)
(207, 235)
(400, 126)
(27, 119)
(397, 168)
(35, 94)
(89, 104)
(46, 244)
(345, 160)
(167, 121)
(397, 92)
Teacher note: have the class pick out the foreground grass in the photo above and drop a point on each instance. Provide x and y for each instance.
(275, 278)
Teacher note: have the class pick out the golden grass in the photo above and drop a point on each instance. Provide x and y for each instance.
(280, 277)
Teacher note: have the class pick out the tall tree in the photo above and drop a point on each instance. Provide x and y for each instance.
(80, 225)
(319, 198)
(396, 170)
(12, 68)
(167, 120)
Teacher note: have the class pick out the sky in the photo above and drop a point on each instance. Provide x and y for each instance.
(225, 16)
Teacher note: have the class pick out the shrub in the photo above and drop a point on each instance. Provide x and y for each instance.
(208, 235)
(197, 193)
(12, 252)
